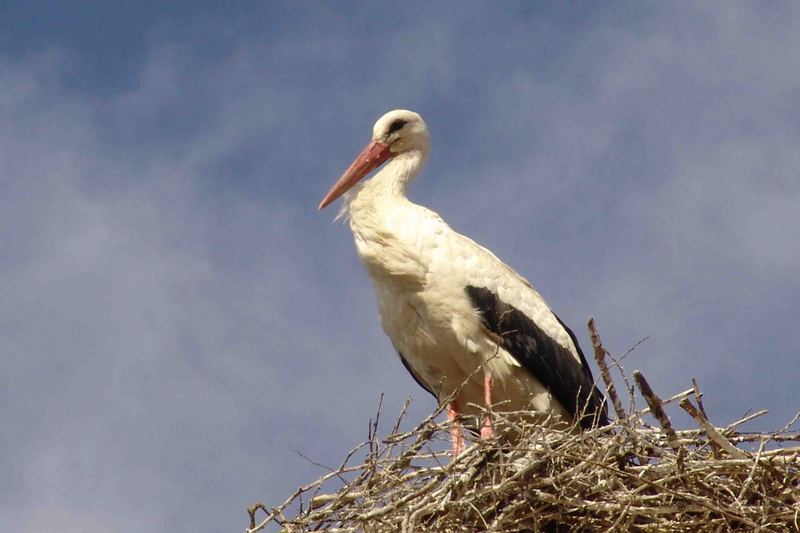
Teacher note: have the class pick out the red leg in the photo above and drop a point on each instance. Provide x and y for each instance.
(456, 437)
(487, 430)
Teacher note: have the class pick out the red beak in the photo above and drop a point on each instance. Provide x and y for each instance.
(368, 160)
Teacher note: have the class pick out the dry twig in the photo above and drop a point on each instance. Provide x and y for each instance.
(600, 357)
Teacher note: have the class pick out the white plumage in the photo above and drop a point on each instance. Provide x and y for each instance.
(439, 293)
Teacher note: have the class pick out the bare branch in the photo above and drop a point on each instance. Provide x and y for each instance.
(656, 408)
(624, 476)
(600, 357)
(710, 430)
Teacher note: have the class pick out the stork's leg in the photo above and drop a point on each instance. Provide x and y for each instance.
(487, 429)
(456, 436)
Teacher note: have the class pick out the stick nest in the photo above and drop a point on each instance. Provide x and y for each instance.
(632, 475)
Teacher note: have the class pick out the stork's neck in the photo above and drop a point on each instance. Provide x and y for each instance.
(389, 184)
(383, 222)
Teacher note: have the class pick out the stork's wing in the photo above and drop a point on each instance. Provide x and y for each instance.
(509, 307)
(567, 379)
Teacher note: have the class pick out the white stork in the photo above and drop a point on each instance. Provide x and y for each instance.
(465, 324)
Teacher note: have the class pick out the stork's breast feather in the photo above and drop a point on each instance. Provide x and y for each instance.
(390, 258)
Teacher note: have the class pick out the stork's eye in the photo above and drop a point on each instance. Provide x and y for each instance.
(396, 125)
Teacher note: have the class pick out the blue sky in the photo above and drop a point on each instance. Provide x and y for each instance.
(177, 317)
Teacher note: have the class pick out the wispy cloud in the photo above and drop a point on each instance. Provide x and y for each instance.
(177, 316)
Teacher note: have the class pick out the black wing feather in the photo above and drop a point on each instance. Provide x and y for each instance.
(570, 382)
(416, 376)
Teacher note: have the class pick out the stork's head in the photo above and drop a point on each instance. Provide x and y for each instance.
(396, 133)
